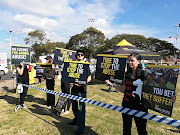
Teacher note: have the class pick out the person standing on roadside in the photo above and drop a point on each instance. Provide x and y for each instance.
(50, 82)
(23, 77)
(78, 108)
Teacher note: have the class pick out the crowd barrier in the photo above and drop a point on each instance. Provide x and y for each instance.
(144, 115)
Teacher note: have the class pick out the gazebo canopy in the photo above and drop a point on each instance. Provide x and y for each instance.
(124, 48)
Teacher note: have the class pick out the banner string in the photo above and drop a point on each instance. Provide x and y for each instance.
(144, 115)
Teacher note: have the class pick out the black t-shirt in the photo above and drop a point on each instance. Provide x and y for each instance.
(24, 76)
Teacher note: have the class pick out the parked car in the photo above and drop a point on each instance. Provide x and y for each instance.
(92, 68)
(3, 70)
(14, 74)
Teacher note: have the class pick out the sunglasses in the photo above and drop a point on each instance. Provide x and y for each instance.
(80, 54)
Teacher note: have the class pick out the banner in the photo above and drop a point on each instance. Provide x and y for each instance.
(20, 54)
(110, 67)
(39, 70)
(75, 72)
(31, 76)
(159, 86)
(3, 59)
(44, 70)
(61, 55)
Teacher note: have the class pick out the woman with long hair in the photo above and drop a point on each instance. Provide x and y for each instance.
(132, 89)
(23, 77)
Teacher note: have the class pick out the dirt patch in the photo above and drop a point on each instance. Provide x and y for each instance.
(7, 86)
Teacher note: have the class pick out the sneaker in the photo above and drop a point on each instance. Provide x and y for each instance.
(65, 113)
(49, 107)
(63, 110)
(17, 108)
(24, 106)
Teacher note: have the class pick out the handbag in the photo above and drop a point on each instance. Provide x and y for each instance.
(19, 88)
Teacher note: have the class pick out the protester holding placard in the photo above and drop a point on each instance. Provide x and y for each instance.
(23, 77)
(132, 89)
(79, 107)
(50, 82)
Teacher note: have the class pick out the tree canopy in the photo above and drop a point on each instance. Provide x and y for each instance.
(89, 41)
(40, 45)
(93, 41)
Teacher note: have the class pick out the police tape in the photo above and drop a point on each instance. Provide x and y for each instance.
(144, 115)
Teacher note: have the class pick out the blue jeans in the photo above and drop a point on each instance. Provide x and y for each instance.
(79, 110)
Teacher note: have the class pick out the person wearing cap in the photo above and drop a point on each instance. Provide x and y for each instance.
(78, 107)
(50, 82)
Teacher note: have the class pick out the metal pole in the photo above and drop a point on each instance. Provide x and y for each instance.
(10, 31)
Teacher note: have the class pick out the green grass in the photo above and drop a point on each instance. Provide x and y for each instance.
(38, 120)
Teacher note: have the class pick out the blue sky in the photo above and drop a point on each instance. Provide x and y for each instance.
(61, 19)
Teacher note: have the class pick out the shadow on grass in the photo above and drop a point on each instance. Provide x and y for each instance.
(66, 129)
(9, 99)
(30, 98)
(109, 90)
(35, 109)
(62, 125)
(6, 89)
(175, 131)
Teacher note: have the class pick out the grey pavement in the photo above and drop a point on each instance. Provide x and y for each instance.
(7, 83)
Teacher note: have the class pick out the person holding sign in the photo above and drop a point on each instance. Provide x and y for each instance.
(50, 82)
(23, 77)
(78, 108)
(132, 89)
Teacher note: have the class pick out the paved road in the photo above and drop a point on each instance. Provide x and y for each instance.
(7, 76)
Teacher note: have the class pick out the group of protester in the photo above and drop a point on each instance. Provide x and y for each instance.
(132, 96)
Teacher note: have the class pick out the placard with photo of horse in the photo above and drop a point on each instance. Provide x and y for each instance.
(159, 87)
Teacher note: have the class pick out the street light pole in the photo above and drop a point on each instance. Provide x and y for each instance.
(10, 31)
(175, 42)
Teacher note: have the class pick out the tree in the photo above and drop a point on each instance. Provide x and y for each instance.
(152, 44)
(38, 39)
(60, 44)
(89, 40)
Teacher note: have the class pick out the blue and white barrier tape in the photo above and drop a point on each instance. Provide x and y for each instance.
(144, 115)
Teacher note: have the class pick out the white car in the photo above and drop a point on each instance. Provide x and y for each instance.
(92, 68)
(3, 70)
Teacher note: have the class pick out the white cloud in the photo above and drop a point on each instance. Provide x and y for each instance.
(55, 37)
(41, 7)
(36, 22)
(61, 19)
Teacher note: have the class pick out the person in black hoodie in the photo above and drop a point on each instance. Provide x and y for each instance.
(23, 77)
